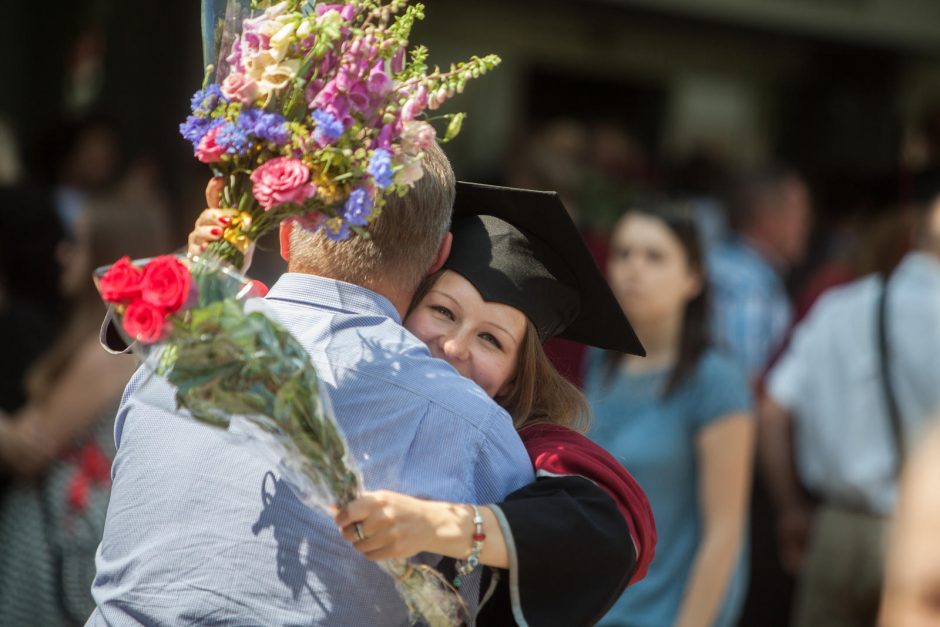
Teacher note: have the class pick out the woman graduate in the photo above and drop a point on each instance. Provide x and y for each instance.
(563, 548)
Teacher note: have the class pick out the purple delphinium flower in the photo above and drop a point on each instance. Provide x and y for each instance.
(206, 100)
(194, 129)
(339, 235)
(358, 207)
(233, 138)
(328, 128)
(268, 127)
(380, 167)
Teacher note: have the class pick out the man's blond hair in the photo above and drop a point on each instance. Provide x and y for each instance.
(404, 241)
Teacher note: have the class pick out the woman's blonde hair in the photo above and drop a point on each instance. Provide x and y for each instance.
(538, 393)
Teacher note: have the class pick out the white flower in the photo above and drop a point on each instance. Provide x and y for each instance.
(305, 28)
(278, 76)
(257, 65)
(411, 172)
(276, 10)
(282, 39)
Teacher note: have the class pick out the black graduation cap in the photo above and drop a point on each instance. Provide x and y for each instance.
(520, 248)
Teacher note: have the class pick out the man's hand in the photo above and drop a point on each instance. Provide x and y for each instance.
(794, 530)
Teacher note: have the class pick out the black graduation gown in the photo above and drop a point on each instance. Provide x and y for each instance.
(571, 556)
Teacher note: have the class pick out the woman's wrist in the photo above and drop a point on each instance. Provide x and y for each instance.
(452, 525)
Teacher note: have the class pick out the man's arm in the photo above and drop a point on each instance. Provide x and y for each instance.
(777, 463)
(502, 464)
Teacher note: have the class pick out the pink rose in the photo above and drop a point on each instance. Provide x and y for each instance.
(282, 180)
(208, 150)
(166, 283)
(417, 137)
(239, 87)
(121, 283)
(142, 321)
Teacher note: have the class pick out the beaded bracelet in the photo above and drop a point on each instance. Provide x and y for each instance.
(465, 567)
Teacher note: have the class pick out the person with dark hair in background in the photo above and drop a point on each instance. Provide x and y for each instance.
(852, 392)
(78, 159)
(30, 307)
(770, 213)
(680, 420)
(56, 450)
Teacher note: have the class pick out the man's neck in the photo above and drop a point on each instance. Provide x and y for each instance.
(400, 302)
(399, 299)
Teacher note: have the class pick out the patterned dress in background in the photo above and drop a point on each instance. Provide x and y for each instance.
(50, 529)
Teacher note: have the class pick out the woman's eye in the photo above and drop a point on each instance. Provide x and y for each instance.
(655, 256)
(488, 337)
(622, 253)
(444, 311)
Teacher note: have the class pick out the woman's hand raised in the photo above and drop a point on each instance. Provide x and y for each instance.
(212, 222)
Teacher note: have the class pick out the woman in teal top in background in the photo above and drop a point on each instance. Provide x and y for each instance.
(680, 421)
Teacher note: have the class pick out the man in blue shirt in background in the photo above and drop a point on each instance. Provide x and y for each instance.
(771, 213)
(202, 530)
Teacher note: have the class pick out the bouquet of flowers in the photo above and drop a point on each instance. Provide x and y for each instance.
(317, 112)
(314, 113)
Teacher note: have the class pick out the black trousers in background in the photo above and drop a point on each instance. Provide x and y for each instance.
(770, 590)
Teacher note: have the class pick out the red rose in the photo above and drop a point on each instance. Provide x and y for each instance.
(165, 283)
(121, 283)
(142, 321)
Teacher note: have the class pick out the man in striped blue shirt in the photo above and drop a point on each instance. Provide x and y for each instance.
(752, 314)
(202, 530)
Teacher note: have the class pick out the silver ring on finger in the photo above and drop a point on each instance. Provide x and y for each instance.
(359, 532)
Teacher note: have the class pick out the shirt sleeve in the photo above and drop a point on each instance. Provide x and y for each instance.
(722, 389)
(567, 540)
(502, 463)
(787, 381)
(744, 325)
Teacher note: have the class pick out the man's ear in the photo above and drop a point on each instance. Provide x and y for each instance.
(442, 253)
(287, 227)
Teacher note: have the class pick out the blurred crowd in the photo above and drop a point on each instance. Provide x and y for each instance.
(793, 369)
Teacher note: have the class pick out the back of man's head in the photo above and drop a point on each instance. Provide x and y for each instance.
(771, 204)
(404, 240)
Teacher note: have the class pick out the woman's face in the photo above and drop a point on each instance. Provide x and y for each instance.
(649, 271)
(480, 339)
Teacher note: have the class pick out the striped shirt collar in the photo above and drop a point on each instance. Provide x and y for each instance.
(324, 293)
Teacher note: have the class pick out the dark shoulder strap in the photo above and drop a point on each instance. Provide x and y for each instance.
(891, 402)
